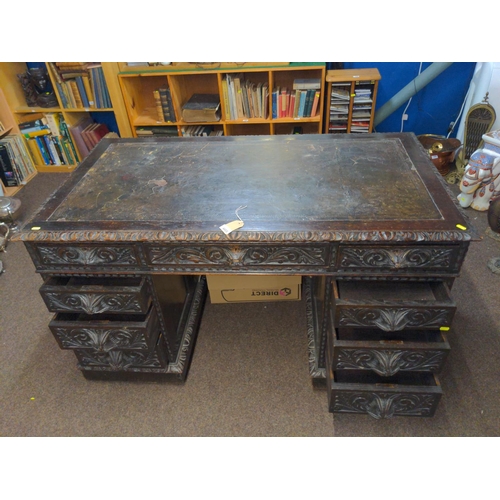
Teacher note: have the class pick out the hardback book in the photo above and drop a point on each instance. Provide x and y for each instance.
(202, 108)
(307, 84)
(77, 130)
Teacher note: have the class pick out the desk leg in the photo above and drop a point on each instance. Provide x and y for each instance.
(317, 292)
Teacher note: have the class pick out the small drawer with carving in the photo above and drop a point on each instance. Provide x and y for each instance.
(409, 394)
(238, 256)
(121, 360)
(399, 260)
(95, 295)
(61, 257)
(392, 306)
(108, 333)
(387, 353)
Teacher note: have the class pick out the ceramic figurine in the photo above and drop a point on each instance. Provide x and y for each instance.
(481, 180)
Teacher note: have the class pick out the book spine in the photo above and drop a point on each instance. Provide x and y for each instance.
(67, 138)
(43, 150)
(225, 100)
(173, 117)
(81, 91)
(52, 151)
(315, 102)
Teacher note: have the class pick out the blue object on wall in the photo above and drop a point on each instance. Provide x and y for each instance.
(433, 108)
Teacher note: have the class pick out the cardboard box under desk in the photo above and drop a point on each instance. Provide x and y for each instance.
(239, 288)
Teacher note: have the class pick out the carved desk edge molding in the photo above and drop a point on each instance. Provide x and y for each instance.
(441, 236)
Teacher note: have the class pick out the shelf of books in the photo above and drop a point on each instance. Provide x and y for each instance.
(16, 165)
(351, 97)
(235, 100)
(62, 110)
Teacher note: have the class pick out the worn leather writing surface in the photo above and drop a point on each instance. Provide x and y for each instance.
(279, 178)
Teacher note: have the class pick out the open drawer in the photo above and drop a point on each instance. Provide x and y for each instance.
(96, 295)
(392, 306)
(387, 353)
(109, 332)
(413, 394)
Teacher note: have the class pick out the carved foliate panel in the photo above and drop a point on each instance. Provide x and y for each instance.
(59, 255)
(394, 319)
(388, 362)
(360, 258)
(100, 340)
(236, 255)
(120, 360)
(91, 303)
(384, 404)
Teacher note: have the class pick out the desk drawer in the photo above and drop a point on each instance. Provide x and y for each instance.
(96, 295)
(80, 257)
(408, 394)
(386, 354)
(414, 259)
(121, 360)
(392, 306)
(107, 333)
(239, 256)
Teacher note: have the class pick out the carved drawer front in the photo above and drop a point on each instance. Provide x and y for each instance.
(58, 257)
(108, 333)
(363, 259)
(410, 394)
(387, 354)
(121, 360)
(96, 295)
(216, 256)
(392, 306)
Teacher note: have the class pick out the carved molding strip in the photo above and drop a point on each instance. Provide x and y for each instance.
(397, 258)
(93, 303)
(394, 319)
(388, 362)
(385, 405)
(314, 370)
(100, 340)
(254, 236)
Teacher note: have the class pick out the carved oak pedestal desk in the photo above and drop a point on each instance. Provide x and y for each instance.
(124, 246)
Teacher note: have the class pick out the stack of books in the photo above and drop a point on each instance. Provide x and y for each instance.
(158, 131)
(361, 109)
(88, 134)
(244, 99)
(339, 107)
(49, 140)
(81, 85)
(200, 131)
(164, 106)
(16, 165)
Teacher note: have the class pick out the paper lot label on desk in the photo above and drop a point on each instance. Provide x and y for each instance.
(280, 178)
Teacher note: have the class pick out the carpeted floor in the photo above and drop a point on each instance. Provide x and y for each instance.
(266, 391)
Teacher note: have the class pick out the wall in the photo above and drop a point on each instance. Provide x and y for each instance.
(433, 108)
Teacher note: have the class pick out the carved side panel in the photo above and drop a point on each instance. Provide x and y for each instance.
(394, 319)
(388, 362)
(385, 404)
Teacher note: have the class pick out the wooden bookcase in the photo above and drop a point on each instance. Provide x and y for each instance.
(16, 102)
(345, 111)
(139, 83)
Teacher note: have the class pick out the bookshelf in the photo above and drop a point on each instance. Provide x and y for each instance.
(139, 83)
(113, 114)
(9, 127)
(350, 100)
